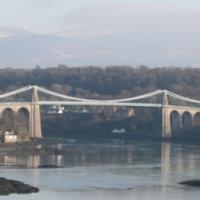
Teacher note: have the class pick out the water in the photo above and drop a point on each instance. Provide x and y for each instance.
(114, 169)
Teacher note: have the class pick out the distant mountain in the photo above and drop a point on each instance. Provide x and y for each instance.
(6, 32)
(19, 48)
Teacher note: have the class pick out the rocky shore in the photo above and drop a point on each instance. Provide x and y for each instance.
(11, 186)
(195, 183)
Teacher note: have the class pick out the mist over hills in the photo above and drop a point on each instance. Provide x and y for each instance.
(23, 49)
(19, 48)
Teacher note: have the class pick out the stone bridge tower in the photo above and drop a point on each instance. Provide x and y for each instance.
(166, 124)
(35, 118)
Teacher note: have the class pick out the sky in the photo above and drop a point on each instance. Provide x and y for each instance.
(106, 32)
(48, 16)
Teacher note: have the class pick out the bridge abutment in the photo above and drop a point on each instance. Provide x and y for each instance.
(186, 119)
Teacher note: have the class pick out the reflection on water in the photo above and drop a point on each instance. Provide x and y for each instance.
(165, 162)
(170, 157)
(33, 161)
(136, 170)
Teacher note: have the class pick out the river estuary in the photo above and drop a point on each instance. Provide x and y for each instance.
(108, 170)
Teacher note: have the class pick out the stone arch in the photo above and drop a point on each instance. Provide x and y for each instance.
(187, 120)
(22, 122)
(8, 119)
(197, 119)
(175, 121)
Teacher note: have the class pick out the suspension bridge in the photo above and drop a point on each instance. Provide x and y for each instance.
(178, 116)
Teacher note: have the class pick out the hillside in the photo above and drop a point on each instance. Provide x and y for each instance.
(104, 83)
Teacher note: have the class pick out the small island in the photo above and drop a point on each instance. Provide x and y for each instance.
(11, 186)
(195, 183)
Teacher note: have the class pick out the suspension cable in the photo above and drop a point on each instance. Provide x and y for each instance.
(180, 97)
(24, 89)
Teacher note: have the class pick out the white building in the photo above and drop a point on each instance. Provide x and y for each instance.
(9, 137)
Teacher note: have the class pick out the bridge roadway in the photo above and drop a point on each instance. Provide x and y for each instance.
(82, 103)
(96, 103)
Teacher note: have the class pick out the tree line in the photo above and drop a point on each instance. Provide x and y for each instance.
(104, 82)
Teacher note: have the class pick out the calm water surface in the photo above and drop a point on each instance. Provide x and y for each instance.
(113, 169)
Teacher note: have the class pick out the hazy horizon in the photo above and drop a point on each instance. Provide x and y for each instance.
(155, 33)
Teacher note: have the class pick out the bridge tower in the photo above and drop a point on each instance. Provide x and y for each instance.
(166, 124)
(35, 118)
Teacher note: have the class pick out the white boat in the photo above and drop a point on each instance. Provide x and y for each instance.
(119, 131)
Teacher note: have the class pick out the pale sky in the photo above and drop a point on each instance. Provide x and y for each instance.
(101, 32)
(48, 16)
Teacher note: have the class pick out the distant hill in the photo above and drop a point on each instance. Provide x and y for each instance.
(20, 48)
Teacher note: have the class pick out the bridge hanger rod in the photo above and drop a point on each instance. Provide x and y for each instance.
(24, 89)
(61, 95)
(144, 96)
(157, 92)
(82, 99)
(27, 88)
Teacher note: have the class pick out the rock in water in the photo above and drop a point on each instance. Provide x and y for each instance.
(191, 183)
(11, 186)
